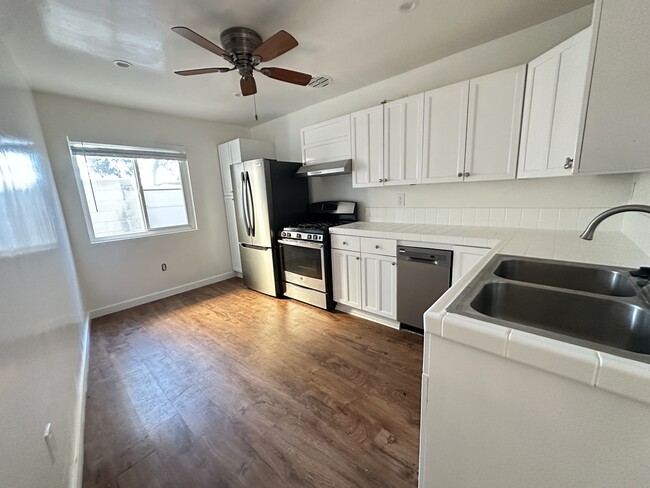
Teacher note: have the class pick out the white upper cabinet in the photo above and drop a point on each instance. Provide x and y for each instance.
(493, 125)
(403, 131)
(555, 93)
(367, 141)
(445, 130)
(326, 141)
(618, 113)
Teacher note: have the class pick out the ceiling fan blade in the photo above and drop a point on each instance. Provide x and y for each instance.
(287, 75)
(248, 86)
(275, 46)
(199, 40)
(202, 71)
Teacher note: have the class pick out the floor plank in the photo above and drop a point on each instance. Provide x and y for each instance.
(226, 387)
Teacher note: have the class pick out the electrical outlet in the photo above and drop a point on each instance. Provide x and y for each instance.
(401, 199)
(163, 266)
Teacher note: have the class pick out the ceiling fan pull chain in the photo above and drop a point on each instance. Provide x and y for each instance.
(255, 106)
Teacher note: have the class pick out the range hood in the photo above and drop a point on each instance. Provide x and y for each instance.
(331, 168)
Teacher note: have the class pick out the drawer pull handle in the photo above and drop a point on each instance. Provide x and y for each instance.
(376, 246)
(345, 243)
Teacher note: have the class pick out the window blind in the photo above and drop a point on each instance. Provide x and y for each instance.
(126, 152)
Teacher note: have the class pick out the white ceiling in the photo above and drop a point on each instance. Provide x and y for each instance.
(67, 46)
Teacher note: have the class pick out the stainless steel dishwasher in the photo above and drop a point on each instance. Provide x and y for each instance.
(423, 275)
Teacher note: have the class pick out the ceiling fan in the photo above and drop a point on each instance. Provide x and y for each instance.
(244, 49)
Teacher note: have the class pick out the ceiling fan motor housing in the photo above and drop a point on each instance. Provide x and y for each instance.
(241, 42)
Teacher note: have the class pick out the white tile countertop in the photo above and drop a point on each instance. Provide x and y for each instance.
(612, 373)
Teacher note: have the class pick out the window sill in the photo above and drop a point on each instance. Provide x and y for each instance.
(140, 235)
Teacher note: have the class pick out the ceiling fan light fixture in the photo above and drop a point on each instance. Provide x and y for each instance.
(406, 6)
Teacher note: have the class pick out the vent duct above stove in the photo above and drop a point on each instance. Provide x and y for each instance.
(332, 168)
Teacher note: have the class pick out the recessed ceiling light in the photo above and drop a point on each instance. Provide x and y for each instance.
(406, 6)
(120, 63)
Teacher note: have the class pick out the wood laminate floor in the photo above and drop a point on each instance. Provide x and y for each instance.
(225, 387)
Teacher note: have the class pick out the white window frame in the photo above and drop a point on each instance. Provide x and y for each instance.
(172, 152)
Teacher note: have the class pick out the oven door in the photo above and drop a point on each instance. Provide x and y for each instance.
(303, 263)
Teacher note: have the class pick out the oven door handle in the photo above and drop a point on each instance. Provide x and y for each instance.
(310, 245)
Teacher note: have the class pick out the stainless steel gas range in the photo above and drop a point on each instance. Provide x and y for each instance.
(305, 253)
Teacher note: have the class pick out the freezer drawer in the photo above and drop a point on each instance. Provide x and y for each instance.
(259, 269)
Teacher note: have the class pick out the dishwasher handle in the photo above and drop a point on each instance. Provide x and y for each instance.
(433, 257)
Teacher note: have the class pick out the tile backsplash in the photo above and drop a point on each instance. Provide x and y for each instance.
(527, 218)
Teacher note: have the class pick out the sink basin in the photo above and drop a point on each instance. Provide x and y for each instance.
(598, 307)
(589, 279)
(612, 323)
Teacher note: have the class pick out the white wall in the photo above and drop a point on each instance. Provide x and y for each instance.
(583, 193)
(120, 274)
(636, 225)
(41, 320)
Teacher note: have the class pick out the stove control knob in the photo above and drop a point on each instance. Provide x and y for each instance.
(298, 236)
(283, 234)
(309, 237)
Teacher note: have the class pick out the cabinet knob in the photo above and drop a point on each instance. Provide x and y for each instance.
(358, 258)
(376, 246)
(568, 164)
(393, 263)
(466, 175)
(345, 243)
(460, 175)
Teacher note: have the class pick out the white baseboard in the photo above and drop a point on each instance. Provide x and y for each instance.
(368, 316)
(76, 470)
(99, 312)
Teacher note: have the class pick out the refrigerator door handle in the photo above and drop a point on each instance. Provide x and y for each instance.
(244, 198)
(249, 190)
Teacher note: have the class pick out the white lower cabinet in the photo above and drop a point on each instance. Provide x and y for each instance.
(365, 280)
(464, 259)
(379, 285)
(346, 277)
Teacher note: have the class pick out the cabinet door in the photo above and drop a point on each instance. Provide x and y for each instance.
(225, 161)
(555, 90)
(493, 125)
(403, 131)
(367, 142)
(464, 259)
(618, 113)
(445, 130)
(346, 277)
(379, 285)
(326, 141)
(231, 220)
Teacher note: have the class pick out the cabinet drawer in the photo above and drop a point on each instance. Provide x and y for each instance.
(386, 247)
(350, 243)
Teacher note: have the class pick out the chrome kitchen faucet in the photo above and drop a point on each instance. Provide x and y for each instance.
(588, 234)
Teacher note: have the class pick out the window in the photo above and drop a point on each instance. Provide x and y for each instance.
(132, 191)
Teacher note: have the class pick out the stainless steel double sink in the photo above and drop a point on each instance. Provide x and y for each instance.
(599, 307)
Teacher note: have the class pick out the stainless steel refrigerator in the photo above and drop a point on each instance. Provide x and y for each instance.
(268, 195)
